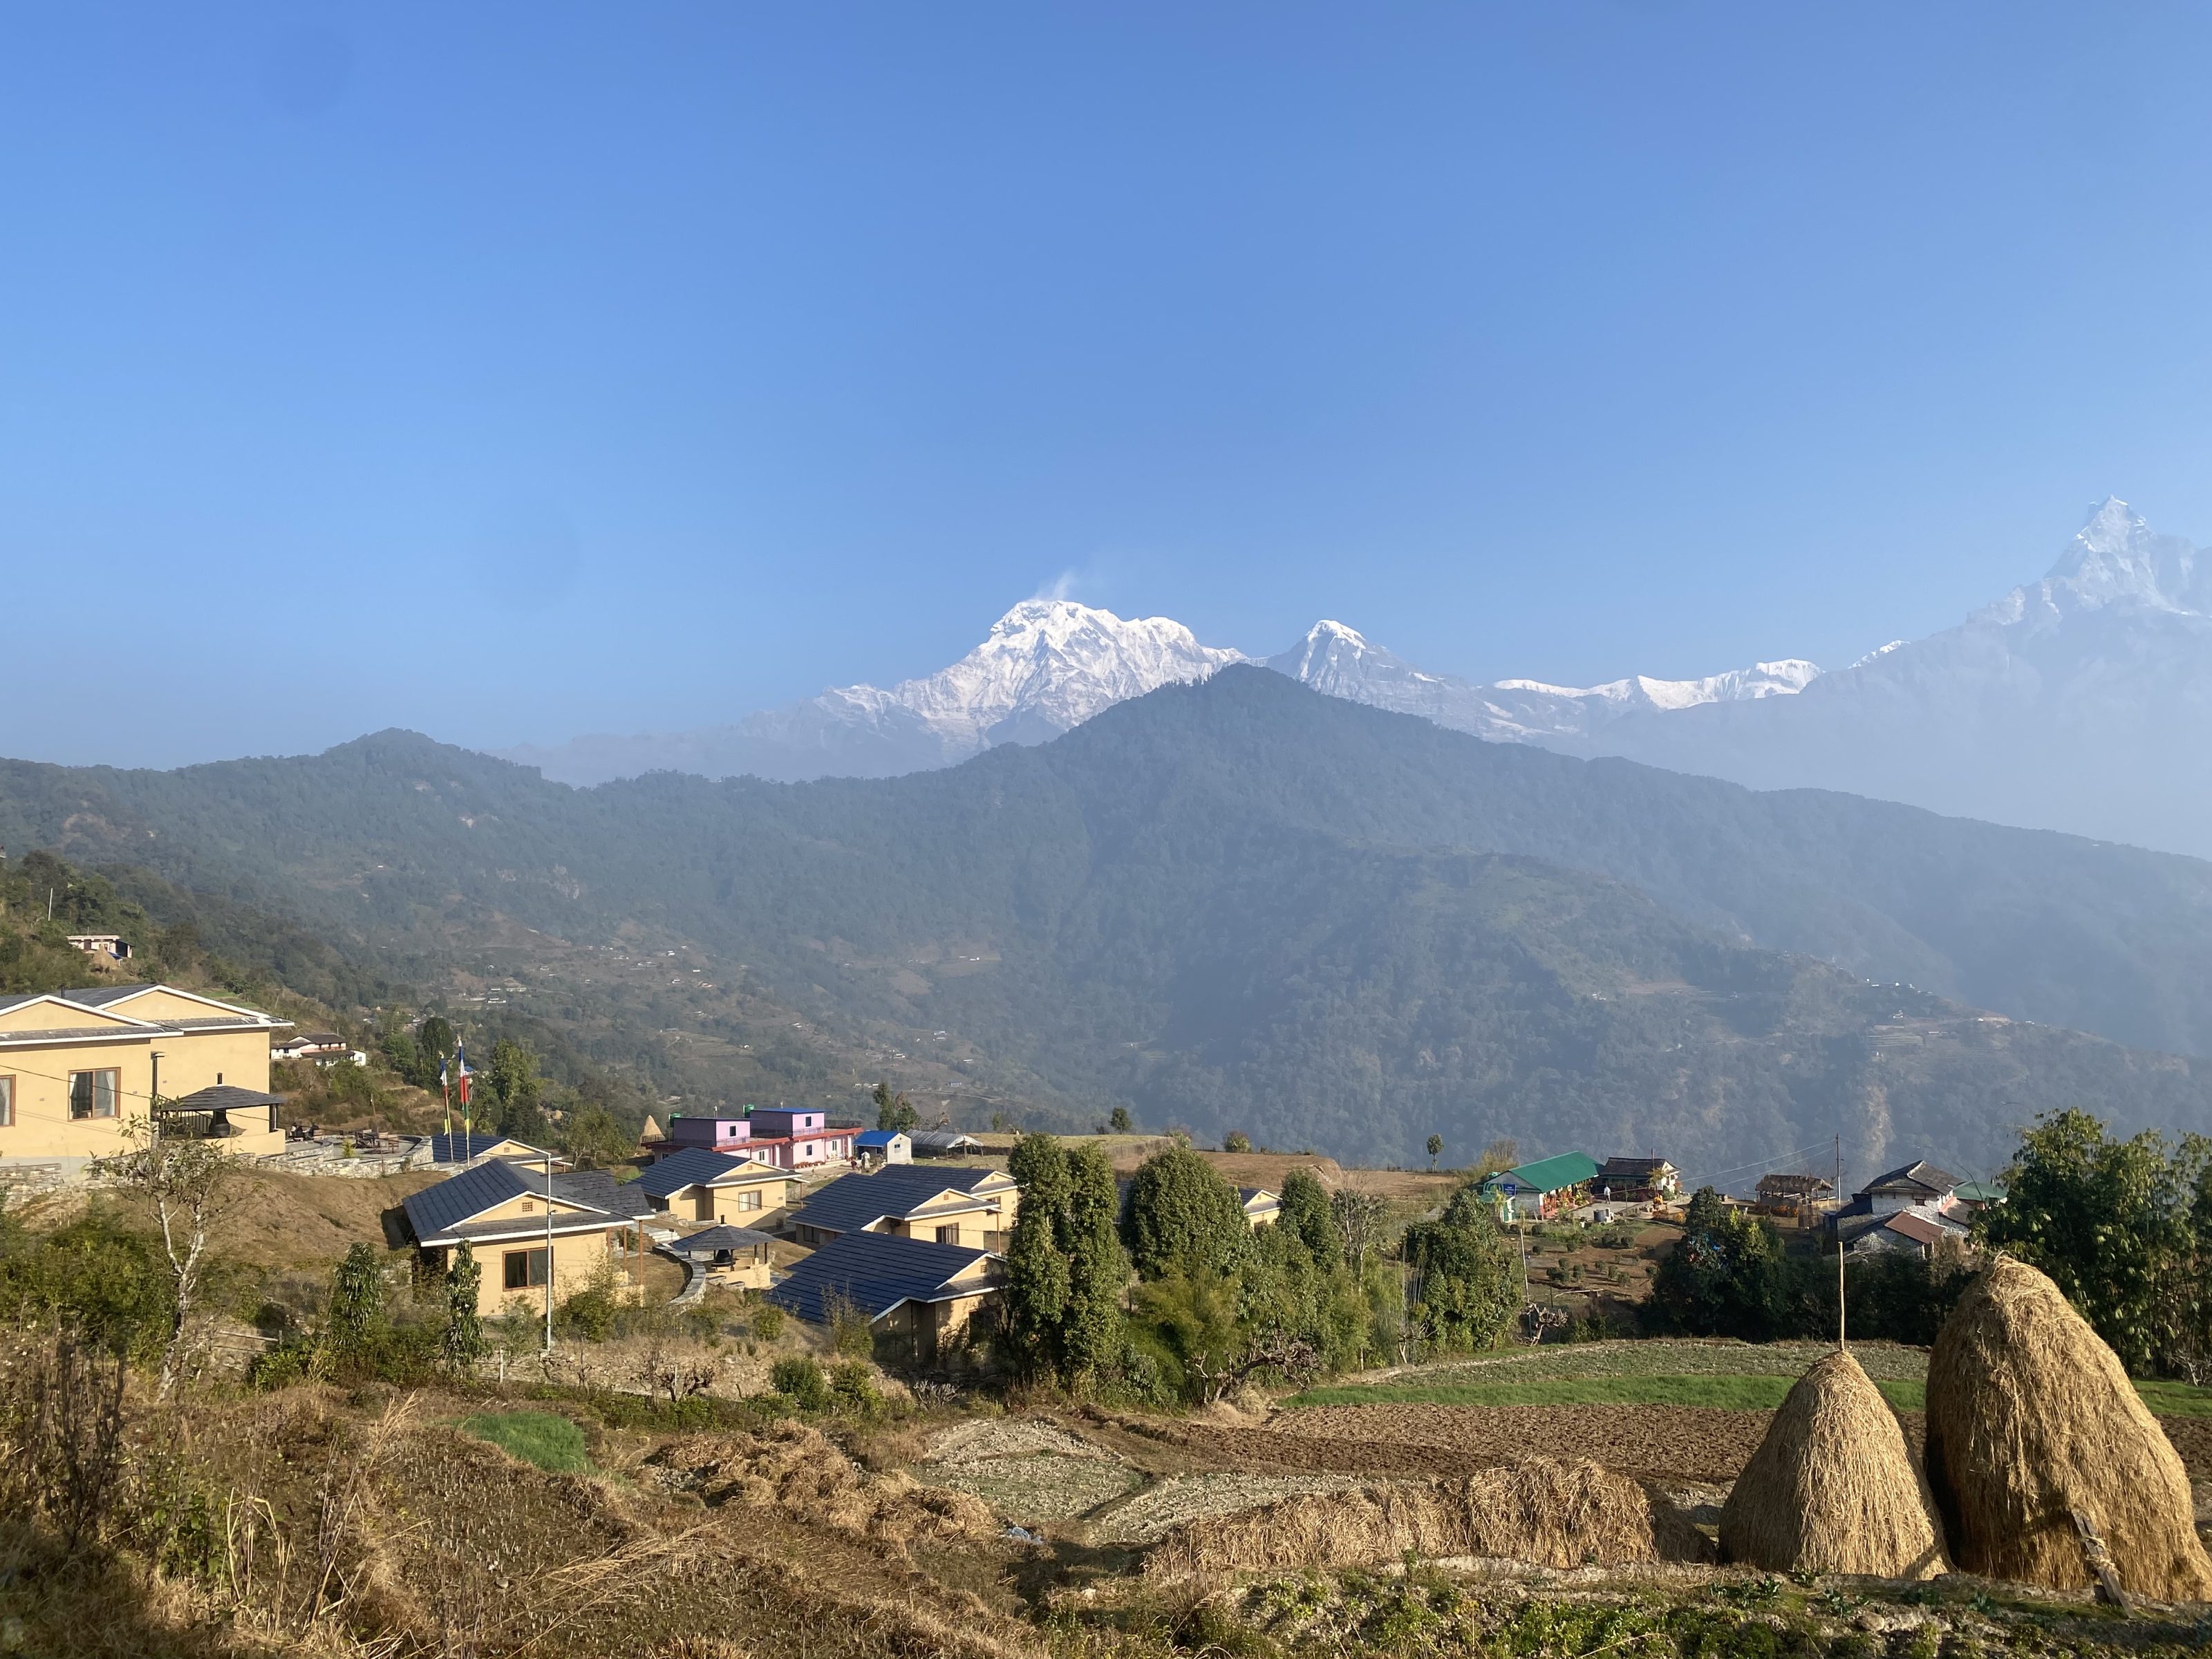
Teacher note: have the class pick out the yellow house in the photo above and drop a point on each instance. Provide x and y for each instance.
(699, 1185)
(77, 1067)
(969, 1209)
(526, 1229)
(917, 1296)
(1262, 1206)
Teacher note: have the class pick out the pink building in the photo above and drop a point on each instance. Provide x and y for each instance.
(790, 1138)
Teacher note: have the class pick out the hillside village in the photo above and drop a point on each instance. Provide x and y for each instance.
(1077, 1389)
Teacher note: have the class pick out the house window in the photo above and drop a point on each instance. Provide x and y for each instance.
(7, 1103)
(524, 1269)
(749, 1199)
(92, 1094)
(949, 1235)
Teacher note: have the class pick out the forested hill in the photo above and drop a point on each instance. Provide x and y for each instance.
(1242, 904)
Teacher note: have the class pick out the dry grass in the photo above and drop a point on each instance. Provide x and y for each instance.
(2032, 1422)
(1832, 1487)
(1538, 1510)
(797, 1470)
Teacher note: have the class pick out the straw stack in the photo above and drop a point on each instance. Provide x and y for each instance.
(1832, 1488)
(2040, 1451)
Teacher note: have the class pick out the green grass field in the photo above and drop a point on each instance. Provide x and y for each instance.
(1728, 1375)
(554, 1444)
(1738, 1393)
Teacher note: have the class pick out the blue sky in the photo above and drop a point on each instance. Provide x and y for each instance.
(509, 372)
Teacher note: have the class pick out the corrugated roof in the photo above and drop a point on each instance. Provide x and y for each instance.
(463, 1149)
(851, 1202)
(1549, 1174)
(879, 1136)
(223, 1097)
(436, 1211)
(1919, 1173)
(876, 1272)
(941, 1140)
(694, 1166)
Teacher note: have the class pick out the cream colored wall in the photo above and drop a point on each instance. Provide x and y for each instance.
(971, 1228)
(576, 1258)
(728, 1201)
(43, 1127)
(161, 1003)
(48, 1017)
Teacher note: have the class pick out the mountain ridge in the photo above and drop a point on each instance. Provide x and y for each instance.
(1241, 904)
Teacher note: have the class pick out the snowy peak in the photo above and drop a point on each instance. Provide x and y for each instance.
(2116, 559)
(1049, 664)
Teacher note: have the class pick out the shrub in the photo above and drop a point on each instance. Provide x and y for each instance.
(768, 1322)
(1236, 1141)
(854, 1388)
(589, 1313)
(799, 1379)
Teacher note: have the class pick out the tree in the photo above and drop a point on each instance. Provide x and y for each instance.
(1728, 1277)
(1498, 1155)
(1098, 1270)
(2112, 1222)
(434, 1046)
(1359, 1217)
(1119, 1122)
(357, 1301)
(1468, 1284)
(894, 1112)
(1181, 1215)
(1064, 1267)
(1436, 1149)
(593, 1139)
(191, 1184)
(1037, 1272)
(1306, 1212)
(510, 1077)
(463, 1338)
(1236, 1141)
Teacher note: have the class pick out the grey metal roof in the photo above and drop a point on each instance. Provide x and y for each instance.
(99, 996)
(1919, 1173)
(222, 1097)
(714, 1240)
(444, 1210)
(876, 1272)
(462, 1149)
(940, 1140)
(850, 1203)
(694, 1166)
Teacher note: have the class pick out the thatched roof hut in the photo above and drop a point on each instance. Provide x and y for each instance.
(1832, 1488)
(2035, 1435)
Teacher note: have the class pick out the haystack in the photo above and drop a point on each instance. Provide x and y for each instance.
(1832, 1487)
(1538, 1510)
(2034, 1435)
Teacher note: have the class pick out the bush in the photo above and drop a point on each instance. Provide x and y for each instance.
(854, 1388)
(799, 1379)
(768, 1322)
(591, 1312)
(1236, 1141)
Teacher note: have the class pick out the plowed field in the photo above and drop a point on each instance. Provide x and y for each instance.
(1666, 1441)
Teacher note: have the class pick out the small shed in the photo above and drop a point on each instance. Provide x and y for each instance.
(943, 1143)
(884, 1146)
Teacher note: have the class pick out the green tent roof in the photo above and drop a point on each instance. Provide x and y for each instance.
(1978, 1192)
(1548, 1175)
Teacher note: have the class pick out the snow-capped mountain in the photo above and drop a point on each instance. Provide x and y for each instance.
(2082, 701)
(1048, 664)
(1341, 662)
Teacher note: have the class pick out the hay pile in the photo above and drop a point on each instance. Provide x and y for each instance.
(2032, 1422)
(1538, 1510)
(798, 1470)
(1832, 1488)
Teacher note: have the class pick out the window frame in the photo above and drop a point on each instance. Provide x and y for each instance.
(7, 1099)
(537, 1258)
(952, 1227)
(92, 1075)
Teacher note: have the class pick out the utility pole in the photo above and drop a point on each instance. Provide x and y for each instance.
(1840, 1243)
(549, 1252)
(154, 1099)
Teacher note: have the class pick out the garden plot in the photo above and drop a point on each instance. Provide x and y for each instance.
(1028, 1471)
